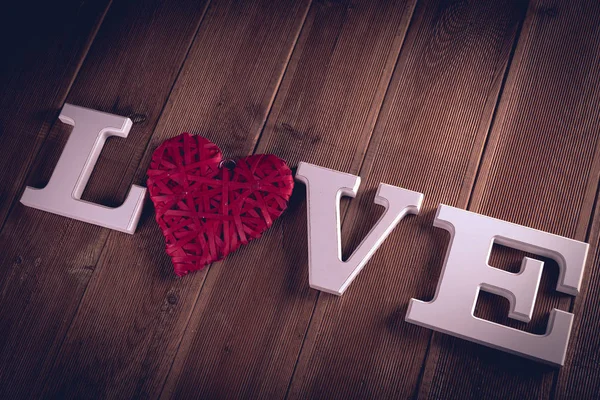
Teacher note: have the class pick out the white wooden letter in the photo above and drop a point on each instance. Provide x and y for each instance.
(62, 195)
(466, 271)
(325, 187)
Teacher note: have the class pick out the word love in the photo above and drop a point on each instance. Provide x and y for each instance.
(465, 272)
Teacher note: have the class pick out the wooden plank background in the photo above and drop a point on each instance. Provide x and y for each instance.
(491, 106)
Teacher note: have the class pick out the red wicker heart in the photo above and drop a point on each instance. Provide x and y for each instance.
(206, 210)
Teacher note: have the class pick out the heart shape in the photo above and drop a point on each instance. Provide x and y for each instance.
(206, 210)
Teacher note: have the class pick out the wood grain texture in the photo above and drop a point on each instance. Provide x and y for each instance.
(42, 49)
(429, 138)
(540, 169)
(249, 323)
(128, 327)
(48, 260)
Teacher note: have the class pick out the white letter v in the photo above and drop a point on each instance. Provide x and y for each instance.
(324, 188)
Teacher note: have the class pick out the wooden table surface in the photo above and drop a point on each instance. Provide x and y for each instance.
(491, 106)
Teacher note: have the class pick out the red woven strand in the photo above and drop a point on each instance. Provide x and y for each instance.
(206, 211)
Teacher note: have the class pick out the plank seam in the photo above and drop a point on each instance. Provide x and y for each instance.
(495, 113)
(282, 75)
(164, 384)
(287, 392)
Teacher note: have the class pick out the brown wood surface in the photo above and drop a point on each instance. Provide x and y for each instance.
(492, 106)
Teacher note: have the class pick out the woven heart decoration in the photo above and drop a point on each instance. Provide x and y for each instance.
(207, 210)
